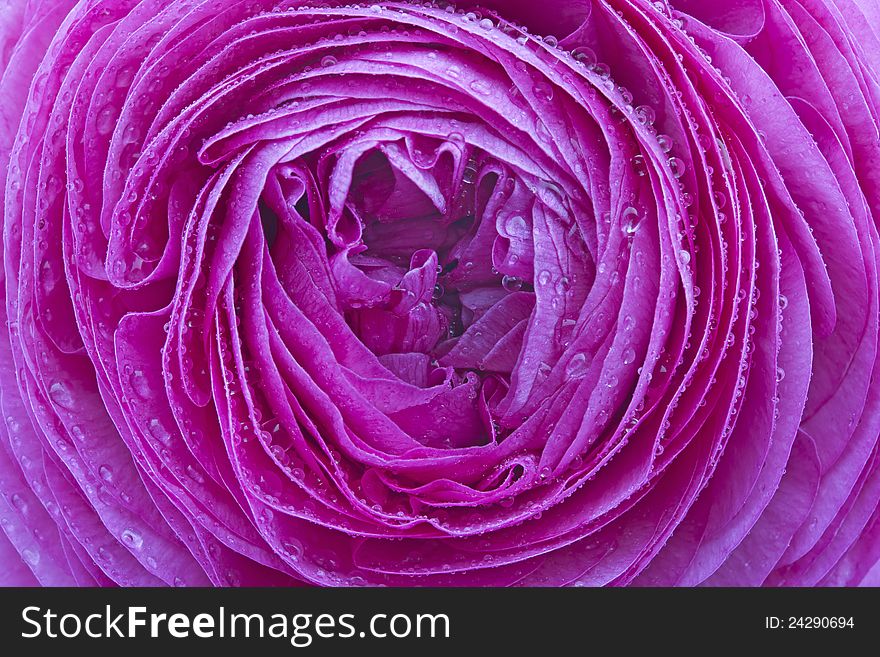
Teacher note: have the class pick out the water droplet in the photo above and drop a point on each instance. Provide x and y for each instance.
(684, 257)
(544, 277)
(469, 175)
(487, 24)
(105, 120)
(551, 196)
(543, 92)
(577, 366)
(639, 165)
(194, 474)
(645, 115)
(19, 503)
(665, 142)
(543, 132)
(512, 283)
(677, 166)
(630, 220)
(780, 374)
(133, 539)
(516, 226)
(125, 76)
(106, 473)
(32, 557)
(481, 87)
(602, 71)
(60, 394)
(294, 549)
(584, 56)
(328, 61)
(140, 385)
(159, 432)
(629, 356)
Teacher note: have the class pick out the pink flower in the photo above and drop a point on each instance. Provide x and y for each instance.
(559, 293)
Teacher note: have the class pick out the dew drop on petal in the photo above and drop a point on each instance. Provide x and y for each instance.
(543, 92)
(140, 385)
(105, 120)
(481, 87)
(602, 70)
(32, 557)
(516, 226)
(158, 431)
(577, 366)
(512, 283)
(60, 394)
(630, 220)
(677, 166)
(665, 142)
(645, 115)
(294, 549)
(542, 132)
(132, 538)
(195, 475)
(584, 56)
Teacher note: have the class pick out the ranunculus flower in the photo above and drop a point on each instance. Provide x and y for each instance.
(533, 293)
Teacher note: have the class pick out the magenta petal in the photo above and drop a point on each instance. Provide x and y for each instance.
(566, 294)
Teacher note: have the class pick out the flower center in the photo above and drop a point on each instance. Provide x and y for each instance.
(448, 222)
(433, 255)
